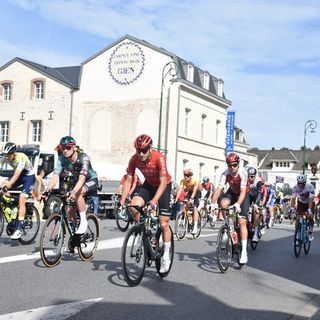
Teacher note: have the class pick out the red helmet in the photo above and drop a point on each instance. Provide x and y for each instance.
(232, 157)
(187, 172)
(143, 142)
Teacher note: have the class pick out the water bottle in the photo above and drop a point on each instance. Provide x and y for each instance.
(7, 213)
(14, 212)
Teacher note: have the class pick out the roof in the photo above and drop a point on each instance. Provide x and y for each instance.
(267, 157)
(66, 75)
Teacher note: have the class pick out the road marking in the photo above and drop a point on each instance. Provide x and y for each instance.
(58, 311)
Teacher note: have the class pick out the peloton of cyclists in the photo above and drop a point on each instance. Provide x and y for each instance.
(236, 196)
(190, 186)
(155, 190)
(302, 200)
(207, 189)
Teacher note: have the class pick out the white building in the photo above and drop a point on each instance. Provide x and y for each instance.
(128, 88)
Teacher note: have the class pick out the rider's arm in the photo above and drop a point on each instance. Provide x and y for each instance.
(216, 195)
(14, 178)
(134, 184)
(81, 181)
(52, 182)
(194, 191)
(126, 188)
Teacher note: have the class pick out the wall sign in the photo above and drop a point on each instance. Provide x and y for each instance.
(126, 63)
(230, 131)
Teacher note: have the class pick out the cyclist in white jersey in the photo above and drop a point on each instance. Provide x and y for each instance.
(302, 200)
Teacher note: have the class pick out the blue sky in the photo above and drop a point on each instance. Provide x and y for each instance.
(266, 51)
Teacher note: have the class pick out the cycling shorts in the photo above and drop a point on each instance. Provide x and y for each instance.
(196, 197)
(91, 187)
(233, 197)
(147, 192)
(27, 183)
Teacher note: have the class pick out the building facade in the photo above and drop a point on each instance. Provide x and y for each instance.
(128, 88)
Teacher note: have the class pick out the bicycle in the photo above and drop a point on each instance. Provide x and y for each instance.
(184, 222)
(278, 214)
(142, 245)
(250, 226)
(9, 212)
(126, 218)
(228, 240)
(52, 239)
(206, 215)
(301, 236)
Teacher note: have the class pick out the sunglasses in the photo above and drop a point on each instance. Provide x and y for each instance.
(143, 151)
(66, 147)
(187, 175)
(301, 183)
(232, 165)
(252, 177)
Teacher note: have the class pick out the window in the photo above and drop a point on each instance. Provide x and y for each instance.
(217, 130)
(4, 131)
(203, 125)
(190, 72)
(7, 91)
(36, 131)
(186, 121)
(38, 88)
(206, 81)
(201, 164)
(220, 88)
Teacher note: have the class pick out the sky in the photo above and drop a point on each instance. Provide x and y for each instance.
(266, 51)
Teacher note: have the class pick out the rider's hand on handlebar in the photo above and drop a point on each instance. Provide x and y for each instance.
(4, 189)
(237, 207)
(71, 196)
(152, 205)
(45, 194)
(309, 212)
(214, 206)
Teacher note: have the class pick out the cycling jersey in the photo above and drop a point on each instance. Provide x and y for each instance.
(303, 193)
(207, 186)
(236, 183)
(152, 170)
(82, 166)
(20, 162)
(271, 196)
(188, 184)
(256, 190)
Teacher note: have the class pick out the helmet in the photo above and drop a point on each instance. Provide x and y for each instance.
(205, 179)
(187, 172)
(232, 157)
(252, 171)
(9, 148)
(301, 178)
(142, 142)
(67, 140)
(267, 183)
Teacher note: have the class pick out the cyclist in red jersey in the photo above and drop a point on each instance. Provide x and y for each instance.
(236, 196)
(155, 190)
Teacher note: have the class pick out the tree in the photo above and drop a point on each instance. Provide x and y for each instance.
(317, 148)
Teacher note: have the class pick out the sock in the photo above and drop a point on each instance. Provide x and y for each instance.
(167, 246)
(244, 246)
(256, 231)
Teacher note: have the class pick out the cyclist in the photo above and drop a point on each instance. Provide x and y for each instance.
(155, 190)
(207, 188)
(190, 186)
(256, 198)
(271, 199)
(236, 196)
(302, 200)
(73, 159)
(24, 174)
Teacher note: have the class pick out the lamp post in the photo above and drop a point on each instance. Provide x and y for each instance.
(172, 69)
(310, 124)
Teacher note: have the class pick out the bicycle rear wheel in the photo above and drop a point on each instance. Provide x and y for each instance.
(180, 225)
(52, 240)
(89, 240)
(1, 223)
(297, 243)
(204, 217)
(224, 249)
(31, 225)
(197, 235)
(160, 245)
(123, 222)
(134, 256)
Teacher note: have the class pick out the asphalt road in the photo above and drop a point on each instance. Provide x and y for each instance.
(274, 285)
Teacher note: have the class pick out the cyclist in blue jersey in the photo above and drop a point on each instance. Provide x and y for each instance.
(74, 160)
(271, 199)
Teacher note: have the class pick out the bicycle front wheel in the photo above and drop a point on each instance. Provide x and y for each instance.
(123, 220)
(160, 244)
(297, 244)
(52, 240)
(197, 235)
(204, 217)
(224, 249)
(89, 240)
(180, 226)
(31, 226)
(134, 256)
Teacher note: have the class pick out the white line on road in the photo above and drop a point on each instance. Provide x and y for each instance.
(57, 311)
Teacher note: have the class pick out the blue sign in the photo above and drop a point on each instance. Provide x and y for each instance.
(230, 131)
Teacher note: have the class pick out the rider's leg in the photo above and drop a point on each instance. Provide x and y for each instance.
(82, 208)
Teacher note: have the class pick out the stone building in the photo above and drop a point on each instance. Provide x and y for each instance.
(128, 88)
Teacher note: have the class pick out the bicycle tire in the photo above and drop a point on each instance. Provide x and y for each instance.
(306, 246)
(123, 224)
(53, 233)
(204, 217)
(160, 245)
(1, 223)
(31, 226)
(254, 244)
(197, 235)
(180, 226)
(224, 249)
(297, 243)
(89, 240)
(134, 250)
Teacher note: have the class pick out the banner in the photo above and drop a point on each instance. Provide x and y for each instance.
(230, 131)
(279, 179)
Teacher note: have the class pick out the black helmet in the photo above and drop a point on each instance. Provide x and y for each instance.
(9, 148)
(67, 140)
(252, 171)
(205, 179)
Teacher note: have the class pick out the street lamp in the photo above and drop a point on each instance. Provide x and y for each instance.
(170, 68)
(310, 124)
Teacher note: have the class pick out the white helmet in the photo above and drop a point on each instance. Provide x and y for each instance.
(301, 178)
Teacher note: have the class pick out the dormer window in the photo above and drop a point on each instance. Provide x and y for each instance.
(190, 73)
(206, 79)
(38, 89)
(6, 90)
(220, 88)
